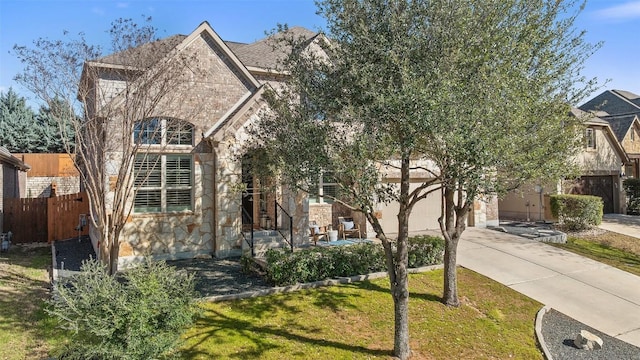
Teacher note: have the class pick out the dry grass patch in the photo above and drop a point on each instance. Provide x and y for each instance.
(355, 321)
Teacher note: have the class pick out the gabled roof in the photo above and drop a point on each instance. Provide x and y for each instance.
(589, 119)
(620, 124)
(261, 54)
(614, 102)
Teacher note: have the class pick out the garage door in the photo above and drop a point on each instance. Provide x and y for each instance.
(424, 215)
(601, 186)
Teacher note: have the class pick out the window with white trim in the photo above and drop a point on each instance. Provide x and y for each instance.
(163, 181)
(327, 186)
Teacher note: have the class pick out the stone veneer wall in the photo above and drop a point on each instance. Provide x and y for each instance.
(485, 212)
(228, 201)
(174, 235)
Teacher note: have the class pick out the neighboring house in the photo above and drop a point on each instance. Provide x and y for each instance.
(13, 179)
(621, 109)
(207, 212)
(50, 175)
(601, 163)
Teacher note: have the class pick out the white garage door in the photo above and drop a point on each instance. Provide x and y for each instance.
(424, 215)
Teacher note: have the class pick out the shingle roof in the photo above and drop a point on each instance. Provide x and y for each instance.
(144, 55)
(588, 117)
(260, 54)
(614, 102)
(629, 96)
(620, 124)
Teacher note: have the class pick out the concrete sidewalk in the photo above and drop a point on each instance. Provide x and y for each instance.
(622, 224)
(593, 293)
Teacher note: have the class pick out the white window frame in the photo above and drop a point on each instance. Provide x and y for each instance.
(161, 149)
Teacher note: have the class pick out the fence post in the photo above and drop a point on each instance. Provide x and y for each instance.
(51, 223)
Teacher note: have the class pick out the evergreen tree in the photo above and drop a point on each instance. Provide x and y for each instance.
(17, 130)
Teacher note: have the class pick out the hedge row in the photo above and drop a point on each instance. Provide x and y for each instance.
(320, 263)
(577, 212)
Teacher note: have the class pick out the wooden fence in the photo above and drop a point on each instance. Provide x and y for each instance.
(46, 219)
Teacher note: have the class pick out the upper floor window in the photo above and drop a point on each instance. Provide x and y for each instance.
(163, 131)
(590, 138)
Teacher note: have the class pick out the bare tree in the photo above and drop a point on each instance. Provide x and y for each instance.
(127, 100)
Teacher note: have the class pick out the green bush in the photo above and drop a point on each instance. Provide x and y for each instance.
(577, 212)
(137, 315)
(320, 263)
(632, 189)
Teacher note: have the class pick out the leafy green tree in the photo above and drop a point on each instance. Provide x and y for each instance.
(474, 94)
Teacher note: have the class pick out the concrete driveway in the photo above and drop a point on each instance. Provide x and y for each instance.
(622, 224)
(593, 293)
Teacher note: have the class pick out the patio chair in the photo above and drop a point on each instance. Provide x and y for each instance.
(317, 232)
(347, 227)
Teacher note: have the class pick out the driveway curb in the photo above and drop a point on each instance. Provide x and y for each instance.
(545, 309)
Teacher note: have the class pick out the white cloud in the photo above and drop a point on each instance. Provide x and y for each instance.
(626, 11)
(98, 11)
(122, 5)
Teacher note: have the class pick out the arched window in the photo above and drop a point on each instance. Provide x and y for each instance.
(163, 131)
(163, 170)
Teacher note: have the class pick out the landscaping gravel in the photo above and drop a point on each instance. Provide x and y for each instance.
(559, 331)
(70, 253)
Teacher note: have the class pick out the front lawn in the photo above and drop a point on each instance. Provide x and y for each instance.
(26, 331)
(352, 321)
(617, 250)
(355, 321)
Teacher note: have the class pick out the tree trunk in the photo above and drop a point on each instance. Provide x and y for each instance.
(450, 295)
(452, 226)
(400, 288)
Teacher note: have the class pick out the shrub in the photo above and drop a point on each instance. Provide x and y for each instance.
(425, 250)
(577, 212)
(632, 189)
(138, 315)
(320, 263)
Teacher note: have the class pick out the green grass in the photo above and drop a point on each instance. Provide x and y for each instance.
(355, 321)
(600, 249)
(352, 321)
(26, 331)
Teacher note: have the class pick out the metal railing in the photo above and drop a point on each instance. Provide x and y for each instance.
(250, 242)
(287, 222)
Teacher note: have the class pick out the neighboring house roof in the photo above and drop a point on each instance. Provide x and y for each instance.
(620, 124)
(6, 157)
(614, 102)
(590, 119)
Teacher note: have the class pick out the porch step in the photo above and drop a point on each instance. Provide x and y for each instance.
(263, 240)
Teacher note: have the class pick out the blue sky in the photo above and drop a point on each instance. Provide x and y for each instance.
(22, 21)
